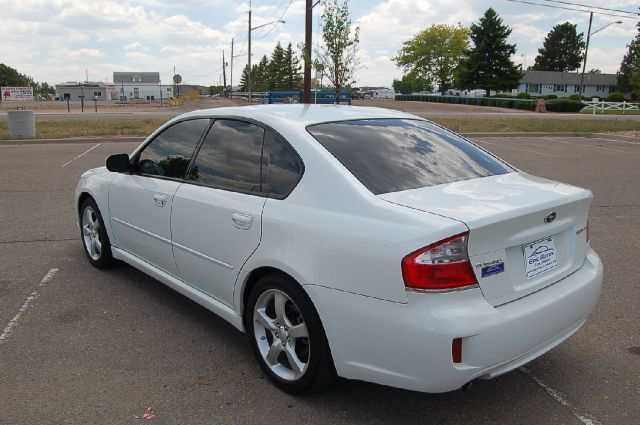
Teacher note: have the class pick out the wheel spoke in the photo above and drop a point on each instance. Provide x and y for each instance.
(274, 352)
(299, 331)
(296, 365)
(265, 321)
(96, 246)
(279, 301)
(88, 215)
(85, 230)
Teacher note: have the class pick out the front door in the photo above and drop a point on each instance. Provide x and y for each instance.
(216, 219)
(140, 203)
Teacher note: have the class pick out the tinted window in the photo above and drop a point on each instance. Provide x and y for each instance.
(169, 153)
(281, 166)
(390, 155)
(230, 157)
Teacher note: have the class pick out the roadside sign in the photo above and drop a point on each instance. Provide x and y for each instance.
(16, 93)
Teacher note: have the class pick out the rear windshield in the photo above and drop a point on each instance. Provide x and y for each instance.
(391, 155)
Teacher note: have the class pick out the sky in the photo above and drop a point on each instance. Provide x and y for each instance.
(64, 40)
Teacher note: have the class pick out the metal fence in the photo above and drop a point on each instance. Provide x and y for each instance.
(500, 102)
(294, 96)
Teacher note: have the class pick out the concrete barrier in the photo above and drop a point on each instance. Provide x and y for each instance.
(22, 124)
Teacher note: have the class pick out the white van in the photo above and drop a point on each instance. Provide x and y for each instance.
(384, 94)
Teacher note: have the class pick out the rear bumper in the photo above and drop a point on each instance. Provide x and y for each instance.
(409, 345)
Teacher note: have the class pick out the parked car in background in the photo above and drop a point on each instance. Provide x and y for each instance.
(364, 243)
(384, 94)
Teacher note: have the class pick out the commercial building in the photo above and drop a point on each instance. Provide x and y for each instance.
(140, 85)
(564, 84)
(90, 91)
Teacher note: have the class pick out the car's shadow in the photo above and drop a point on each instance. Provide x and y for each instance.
(346, 401)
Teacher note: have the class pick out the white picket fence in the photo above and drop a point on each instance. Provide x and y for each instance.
(601, 105)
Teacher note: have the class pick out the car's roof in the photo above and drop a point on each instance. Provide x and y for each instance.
(300, 114)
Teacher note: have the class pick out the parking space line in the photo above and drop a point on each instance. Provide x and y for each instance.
(6, 332)
(582, 417)
(81, 155)
(510, 147)
(619, 141)
(551, 139)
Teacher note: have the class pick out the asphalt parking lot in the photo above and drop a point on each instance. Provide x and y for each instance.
(79, 345)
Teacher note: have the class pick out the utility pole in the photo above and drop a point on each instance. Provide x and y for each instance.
(231, 76)
(249, 56)
(308, 28)
(224, 74)
(586, 50)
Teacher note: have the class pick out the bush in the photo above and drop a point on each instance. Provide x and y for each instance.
(615, 97)
(576, 96)
(550, 97)
(523, 95)
(564, 105)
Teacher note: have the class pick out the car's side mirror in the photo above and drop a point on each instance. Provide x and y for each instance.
(118, 163)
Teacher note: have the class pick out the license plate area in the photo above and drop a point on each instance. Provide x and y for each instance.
(540, 256)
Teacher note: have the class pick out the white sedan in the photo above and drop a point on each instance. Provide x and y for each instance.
(356, 242)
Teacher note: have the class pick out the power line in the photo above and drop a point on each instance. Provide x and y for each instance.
(276, 22)
(568, 8)
(592, 7)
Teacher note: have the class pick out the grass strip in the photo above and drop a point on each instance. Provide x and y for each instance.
(143, 127)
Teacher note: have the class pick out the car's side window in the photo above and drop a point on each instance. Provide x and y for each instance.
(169, 153)
(280, 167)
(230, 157)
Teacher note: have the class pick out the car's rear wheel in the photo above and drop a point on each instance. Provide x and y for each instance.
(94, 236)
(287, 336)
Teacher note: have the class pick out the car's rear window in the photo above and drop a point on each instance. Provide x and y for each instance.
(391, 155)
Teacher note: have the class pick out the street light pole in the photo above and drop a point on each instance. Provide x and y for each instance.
(586, 50)
(249, 53)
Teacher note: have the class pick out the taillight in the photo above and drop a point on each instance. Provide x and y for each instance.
(442, 265)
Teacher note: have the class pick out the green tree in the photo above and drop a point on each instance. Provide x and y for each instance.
(277, 69)
(11, 77)
(338, 54)
(562, 50)
(410, 83)
(435, 54)
(629, 66)
(293, 77)
(488, 63)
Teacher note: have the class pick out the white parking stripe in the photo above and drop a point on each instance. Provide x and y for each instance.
(6, 333)
(582, 417)
(619, 141)
(585, 145)
(510, 147)
(81, 155)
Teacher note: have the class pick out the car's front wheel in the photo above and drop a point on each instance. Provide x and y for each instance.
(94, 236)
(287, 336)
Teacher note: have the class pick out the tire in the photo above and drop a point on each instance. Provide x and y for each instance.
(93, 234)
(287, 336)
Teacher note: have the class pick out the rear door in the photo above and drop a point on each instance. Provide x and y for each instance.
(140, 202)
(216, 219)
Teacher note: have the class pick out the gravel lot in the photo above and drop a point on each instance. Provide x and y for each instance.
(80, 345)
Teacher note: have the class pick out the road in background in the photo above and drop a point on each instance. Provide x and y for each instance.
(102, 346)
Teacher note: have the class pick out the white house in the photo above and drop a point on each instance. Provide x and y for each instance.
(140, 85)
(563, 84)
(87, 90)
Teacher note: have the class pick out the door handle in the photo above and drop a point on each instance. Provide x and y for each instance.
(241, 221)
(160, 200)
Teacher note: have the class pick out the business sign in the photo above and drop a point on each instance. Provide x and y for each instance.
(16, 93)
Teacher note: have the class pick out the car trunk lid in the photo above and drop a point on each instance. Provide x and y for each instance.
(525, 232)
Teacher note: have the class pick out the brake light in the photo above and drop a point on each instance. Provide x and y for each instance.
(442, 265)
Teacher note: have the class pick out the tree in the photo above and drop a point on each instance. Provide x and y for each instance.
(277, 69)
(292, 77)
(411, 83)
(338, 54)
(630, 65)
(562, 50)
(488, 63)
(435, 54)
